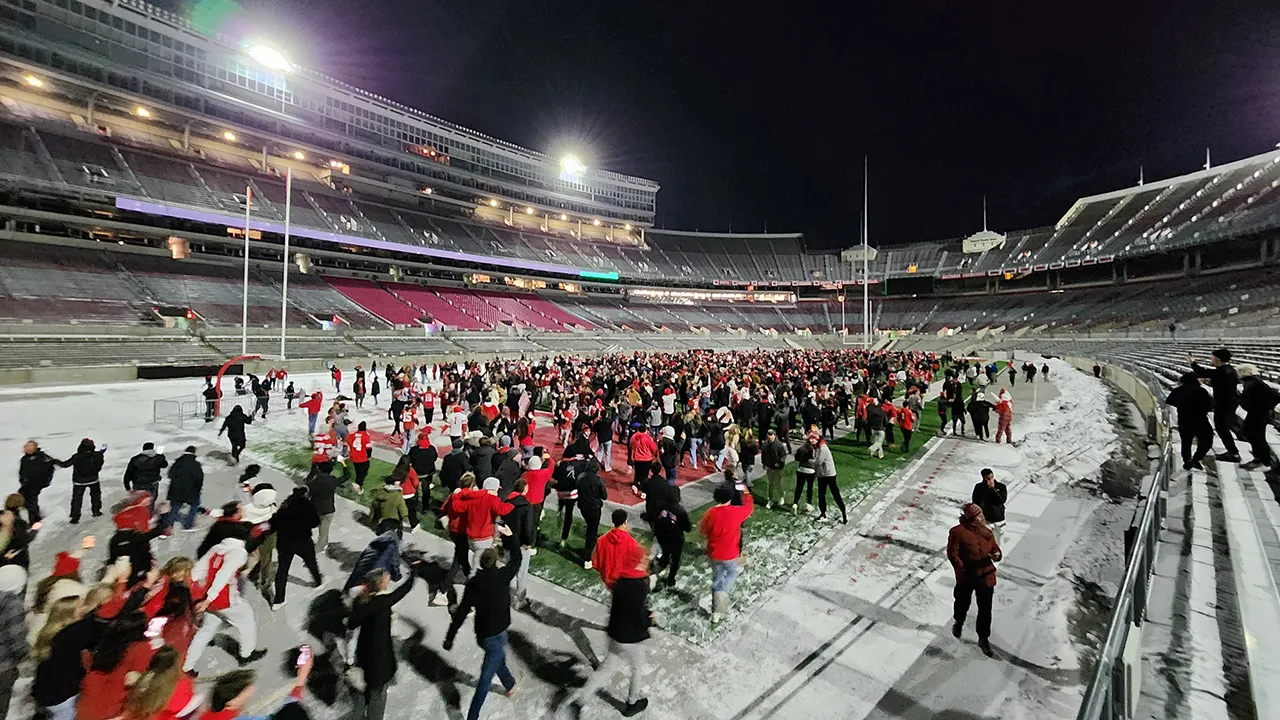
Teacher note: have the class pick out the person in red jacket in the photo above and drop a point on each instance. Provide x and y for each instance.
(479, 509)
(722, 527)
(536, 476)
(358, 445)
(612, 551)
(1004, 416)
(973, 552)
(312, 406)
(644, 450)
(907, 424)
(452, 509)
(336, 374)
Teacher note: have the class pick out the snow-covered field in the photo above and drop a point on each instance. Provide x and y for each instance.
(860, 629)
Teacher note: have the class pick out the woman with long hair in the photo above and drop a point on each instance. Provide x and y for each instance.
(163, 692)
(62, 612)
(124, 652)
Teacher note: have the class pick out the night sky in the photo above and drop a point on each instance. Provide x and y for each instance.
(754, 113)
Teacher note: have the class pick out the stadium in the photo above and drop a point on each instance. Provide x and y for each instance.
(180, 205)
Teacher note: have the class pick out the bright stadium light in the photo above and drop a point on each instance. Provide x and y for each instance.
(572, 165)
(229, 136)
(528, 211)
(493, 203)
(33, 81)
(627, 227)
(596, 222)
(299, 155)
(142, 112)
(269, 57)
(564, 217)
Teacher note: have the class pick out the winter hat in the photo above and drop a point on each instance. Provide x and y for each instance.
(982, 396)
(1222, 354)
(148, 446)
(457, 444)
(1189, 378)
(535, 463)
(1246, 370)
(424, 440)
(970, 511)
(668, 432)
(813, 436)
(491, 483)
(64, 564)
(13, 579)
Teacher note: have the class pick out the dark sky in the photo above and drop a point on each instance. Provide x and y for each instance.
(750, 113)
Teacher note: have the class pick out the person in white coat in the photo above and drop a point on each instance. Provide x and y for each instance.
(215, 583)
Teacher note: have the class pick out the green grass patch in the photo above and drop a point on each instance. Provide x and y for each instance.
(775, 541)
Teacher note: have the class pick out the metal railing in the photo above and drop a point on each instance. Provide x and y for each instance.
(1110, 693)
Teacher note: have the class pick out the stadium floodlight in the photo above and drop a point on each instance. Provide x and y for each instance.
(493, 203)
(564, 217)
(627, 227)
(33, 81)
(572, 165)
(528, 211)
(142, 112)
(229, 136)
(299, 155)
(596, 222)
(269, 57)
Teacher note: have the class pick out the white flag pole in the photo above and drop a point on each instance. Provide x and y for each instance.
(284, 293)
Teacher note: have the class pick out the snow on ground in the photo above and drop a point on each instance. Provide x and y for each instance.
(860, 629)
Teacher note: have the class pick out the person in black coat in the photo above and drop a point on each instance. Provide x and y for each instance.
(454, 465)
(1194, 404)
(186, 480)
(143, 471)
(508, 468)
(423, 457)
(293, 524)
(1226, 399)
(35, 473)
(233, 425)
(670, 521)
(629, 623)
(991, 495)
(323, 487)
(375, 649)
(482, 459)
(591, 496)
(980, 412)
(85, 466)
(522, 523)
(489, 592)
(1259, 400)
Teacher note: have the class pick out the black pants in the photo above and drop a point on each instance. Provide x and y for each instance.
(957, 417)
(394, 412)
(260, 404)
(906, 441)
(641, 476)
(672, 549)
(461, 557)
(888, 434)
(412, 503)
(980, 429)
(823, 484)
(1225, 423)
(592, 518)
(31, 501)
(1255, 432)
(829, 431)
(237, 446)
(1201, 434)
(286, 553)
(362, 471)
(208, 410)
(566, 517)
(804, 483)
(963, 596)
(77, 499)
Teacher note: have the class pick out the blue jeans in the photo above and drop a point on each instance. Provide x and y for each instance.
(189, 520)
(694, 445)
(311, 424)
(671, 476)
(495, 662)
(723, 574)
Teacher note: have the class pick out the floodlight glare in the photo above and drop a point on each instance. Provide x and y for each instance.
(572, 165)
(563, 216)
(142, 112)
(269, 57)
(299, 155)
(229, 136)
(528, 211)
(493, 203)
(33, 81)
(596, 222)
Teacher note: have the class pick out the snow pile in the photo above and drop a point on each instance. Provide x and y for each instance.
(1068, 438)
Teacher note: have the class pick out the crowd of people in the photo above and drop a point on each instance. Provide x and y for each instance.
(144, 625)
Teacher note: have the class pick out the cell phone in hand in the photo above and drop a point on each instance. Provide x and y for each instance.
(304, 655)
(89, 542)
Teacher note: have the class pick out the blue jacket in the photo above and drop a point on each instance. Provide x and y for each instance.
(383, 553)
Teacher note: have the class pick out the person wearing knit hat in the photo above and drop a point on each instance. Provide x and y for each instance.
(1259, 400)
(1226, 399)
(973, 552)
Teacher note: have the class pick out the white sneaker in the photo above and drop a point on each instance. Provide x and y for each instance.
(586, 565)
(795, 509)
(276, 606)
(768, 505)
(439, 600)
(533, 551)
(716, 618)
(808, 508)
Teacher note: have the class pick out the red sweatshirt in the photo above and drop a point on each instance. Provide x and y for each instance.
(479, 508)
(312, 405)
(611, 555)
(643, 448)
(722, 527)
(538, 480)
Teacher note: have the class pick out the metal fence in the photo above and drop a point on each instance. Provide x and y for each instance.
(1113, 690)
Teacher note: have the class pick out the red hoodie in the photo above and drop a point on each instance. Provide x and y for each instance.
(453, 509)
(409, 486)
(479, 508)
(537, 480)
(643, 448)
(312, 405)
(722, 527)
(612, 555)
